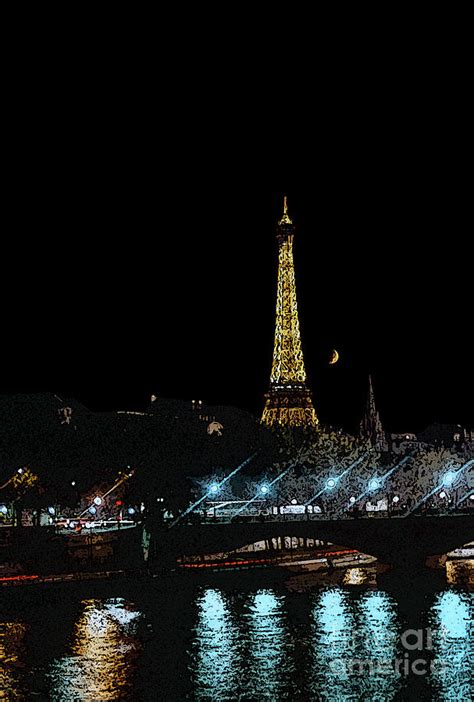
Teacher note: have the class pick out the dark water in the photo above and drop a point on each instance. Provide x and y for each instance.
(238, 637)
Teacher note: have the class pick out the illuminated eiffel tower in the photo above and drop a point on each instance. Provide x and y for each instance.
(288, 401)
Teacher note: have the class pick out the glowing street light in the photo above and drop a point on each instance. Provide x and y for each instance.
(449, 478)
(214, 488)
(396, 499)
(131, 510)
(352, 499)
(3, 509)
(264, 489)
(92, 509)
(331, 483)
(442, 494)
(374, 484)
(97, 501)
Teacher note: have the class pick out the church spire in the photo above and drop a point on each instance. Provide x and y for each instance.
(371, 426)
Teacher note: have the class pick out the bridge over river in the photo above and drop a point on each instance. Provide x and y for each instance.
(398, 541)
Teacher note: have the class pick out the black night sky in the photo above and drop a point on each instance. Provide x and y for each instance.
(142, 261)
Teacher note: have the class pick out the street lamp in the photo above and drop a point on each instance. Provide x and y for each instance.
(331, 483)
(264, 489)
(449, 478)
(374, 484)
(214, 489)
(396, 499)
(97, 501)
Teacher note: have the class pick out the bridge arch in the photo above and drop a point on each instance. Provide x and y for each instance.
(391, 540)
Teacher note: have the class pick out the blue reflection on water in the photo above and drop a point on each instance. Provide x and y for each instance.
(378, 645)
(245, 643)
(216, 666)
(268, 642)
(332, 643)
(354, 647)
(246, 655)
(453, 645)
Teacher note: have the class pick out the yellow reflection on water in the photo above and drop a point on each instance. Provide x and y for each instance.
(460, 572)
(11, 663)
(103, 654)
(357, 576)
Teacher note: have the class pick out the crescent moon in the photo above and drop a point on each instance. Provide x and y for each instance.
(334, 357)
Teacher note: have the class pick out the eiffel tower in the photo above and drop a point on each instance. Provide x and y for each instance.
(288, 401)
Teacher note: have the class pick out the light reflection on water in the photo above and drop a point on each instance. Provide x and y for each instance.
(215, 647)
(100, 663)
(268, 666)
(235, 641)
(11, 655)
(352, 636)
(452, 624)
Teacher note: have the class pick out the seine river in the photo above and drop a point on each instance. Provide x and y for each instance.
(241, 636)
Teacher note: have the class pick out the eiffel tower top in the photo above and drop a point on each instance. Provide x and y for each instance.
(285, 219)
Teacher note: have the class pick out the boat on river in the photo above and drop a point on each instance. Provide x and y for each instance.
(324, 560)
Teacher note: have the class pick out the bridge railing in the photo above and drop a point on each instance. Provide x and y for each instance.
(327, 516)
